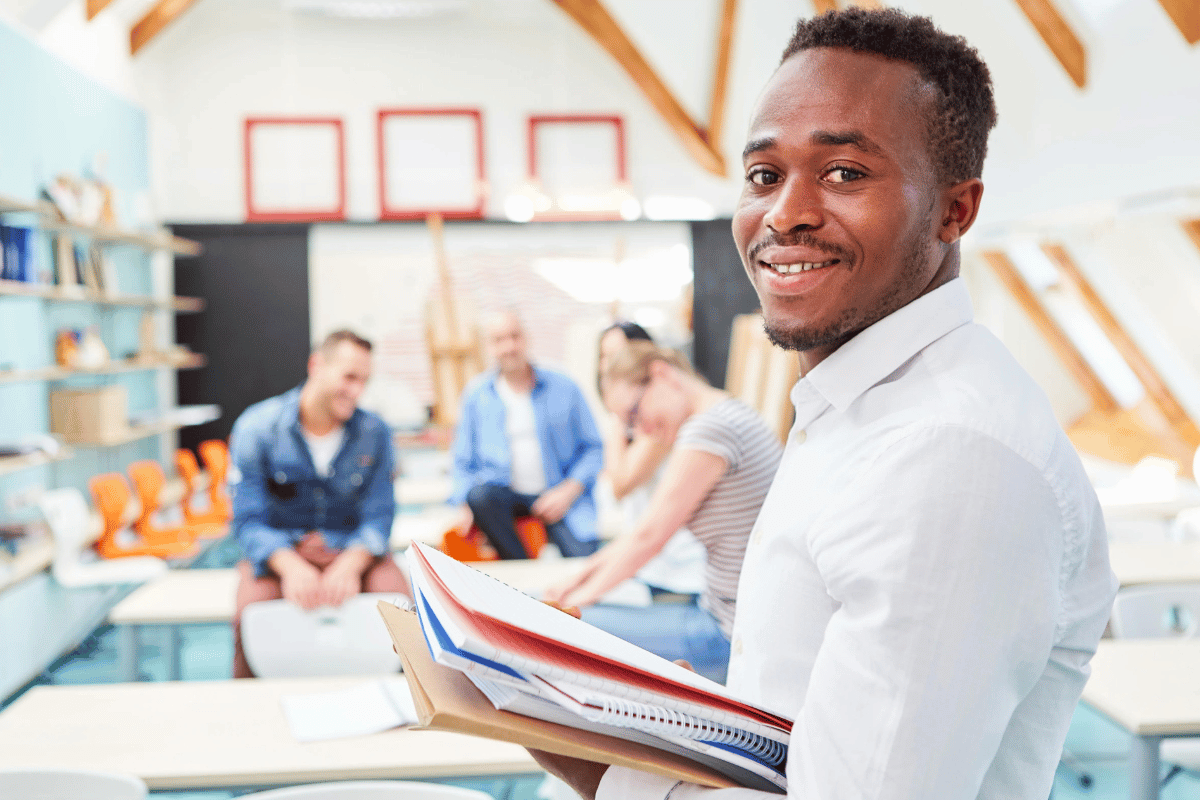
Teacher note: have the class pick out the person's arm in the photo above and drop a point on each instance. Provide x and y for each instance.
(689, 477)
(251, 499)
(629, 464)
(465, 462)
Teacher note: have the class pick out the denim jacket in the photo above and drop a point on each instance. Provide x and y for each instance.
(278, 496)
(570, 444)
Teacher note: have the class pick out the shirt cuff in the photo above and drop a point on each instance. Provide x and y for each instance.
(367, 536)
(622, 783)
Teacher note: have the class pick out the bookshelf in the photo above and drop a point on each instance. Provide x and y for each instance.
(50, 374)
(153, 240)
(11, 464)
(58, 294)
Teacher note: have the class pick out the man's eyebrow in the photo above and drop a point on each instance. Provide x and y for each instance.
(853, 138)
(757, 145)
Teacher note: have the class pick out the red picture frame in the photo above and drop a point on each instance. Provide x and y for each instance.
(616, 121)
(334, 214)
(392, 213)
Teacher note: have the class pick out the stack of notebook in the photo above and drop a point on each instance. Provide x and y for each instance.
(558, 684)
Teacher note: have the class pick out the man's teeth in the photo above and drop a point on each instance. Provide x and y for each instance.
(788, 269)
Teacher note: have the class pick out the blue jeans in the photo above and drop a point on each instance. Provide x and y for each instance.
(495, 507)
(670, 630)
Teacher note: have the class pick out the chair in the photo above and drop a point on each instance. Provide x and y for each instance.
(370, 790)
(473, 545)
(111, 493)
(148, 481)
(63, 784)
(282, 640)
(70, 522)
(215, 455)
(189, 471)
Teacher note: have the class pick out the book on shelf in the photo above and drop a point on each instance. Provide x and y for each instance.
(17, 254)
(485, 659)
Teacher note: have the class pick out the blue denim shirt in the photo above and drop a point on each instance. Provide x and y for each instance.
(570, 443)
(278, 496)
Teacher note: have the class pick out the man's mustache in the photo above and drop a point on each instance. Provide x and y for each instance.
(803, 239)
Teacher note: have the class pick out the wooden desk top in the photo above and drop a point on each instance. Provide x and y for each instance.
(1148, 686)
(1155, 562)
(204, 734)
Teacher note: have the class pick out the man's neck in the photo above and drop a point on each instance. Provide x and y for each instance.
(519, 380)
(314, 418)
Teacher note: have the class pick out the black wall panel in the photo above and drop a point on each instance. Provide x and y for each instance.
(721, 291)
(254, 329)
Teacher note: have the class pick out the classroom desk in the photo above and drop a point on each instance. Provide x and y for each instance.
(224, 734)
(206, 596)
(1137, 563)
(1149, 687)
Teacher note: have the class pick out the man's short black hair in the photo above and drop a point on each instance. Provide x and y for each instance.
(331, 342)
(964, 111)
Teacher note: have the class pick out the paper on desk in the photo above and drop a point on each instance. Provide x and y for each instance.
(359, 710)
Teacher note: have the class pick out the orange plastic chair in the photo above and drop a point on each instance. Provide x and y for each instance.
(215, 455)
(148, 481)
(189, 471)
(473, 545)
(111, 493)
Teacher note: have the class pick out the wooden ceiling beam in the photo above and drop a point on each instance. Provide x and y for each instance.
(1192, 228)
(1156, 388)
(1186, 16)
(94, 7)
(1056, 32)
(160, 15)
(593, 17)
(720, 87)
(1066, 351)
(821, 6)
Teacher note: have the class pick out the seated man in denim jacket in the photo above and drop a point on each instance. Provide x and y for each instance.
(312, 490)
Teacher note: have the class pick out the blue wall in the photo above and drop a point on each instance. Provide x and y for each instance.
(55, 120)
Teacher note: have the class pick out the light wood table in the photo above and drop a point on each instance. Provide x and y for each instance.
(224, 734)
(1137, 563)
(1150, 688)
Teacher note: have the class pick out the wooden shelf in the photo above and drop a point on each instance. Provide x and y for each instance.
(139, 432)
(193, 361)
(32, 558)
(11, 464)
(158, 240)
(80, 295)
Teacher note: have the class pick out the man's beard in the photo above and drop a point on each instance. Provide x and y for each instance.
(852, 320)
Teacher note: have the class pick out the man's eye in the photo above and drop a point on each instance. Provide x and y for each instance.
(762, 177)
(842, 175)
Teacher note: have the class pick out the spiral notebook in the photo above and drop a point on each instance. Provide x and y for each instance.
(529, 656)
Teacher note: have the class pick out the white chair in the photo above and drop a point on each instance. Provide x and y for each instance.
(62, 784)
(282, 640)
(70, 522)
(370, 790)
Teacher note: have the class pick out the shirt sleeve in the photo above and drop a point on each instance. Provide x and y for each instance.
(378, 510)
(251, 503)
(944, 558)
(589, 449)
(465, 458)
(709, 433)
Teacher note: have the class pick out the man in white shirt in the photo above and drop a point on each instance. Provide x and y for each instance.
(928, 577)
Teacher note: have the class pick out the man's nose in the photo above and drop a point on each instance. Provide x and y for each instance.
(796, 206)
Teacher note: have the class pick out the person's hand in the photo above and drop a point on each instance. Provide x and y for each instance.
(570, 611)
(299, 580)
(465, 519)
(557, 592)
(582, 776)
(554, 503)
(343, 578)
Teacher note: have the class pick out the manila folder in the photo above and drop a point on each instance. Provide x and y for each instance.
(446, 700)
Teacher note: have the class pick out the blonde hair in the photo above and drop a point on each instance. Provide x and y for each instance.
(632, 362)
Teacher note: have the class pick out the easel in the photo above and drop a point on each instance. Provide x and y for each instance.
(760, 374)
(451, 333)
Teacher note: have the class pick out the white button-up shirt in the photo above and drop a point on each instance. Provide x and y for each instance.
(928, 577)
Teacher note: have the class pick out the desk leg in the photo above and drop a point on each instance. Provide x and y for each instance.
(127, 652)
(1143, 768)
(174, 645)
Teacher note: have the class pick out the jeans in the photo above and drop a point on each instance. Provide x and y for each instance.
(495, 507)
(670, 630)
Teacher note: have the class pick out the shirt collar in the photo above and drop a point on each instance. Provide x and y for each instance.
(291, 414)
(539, 379)
(881, 349)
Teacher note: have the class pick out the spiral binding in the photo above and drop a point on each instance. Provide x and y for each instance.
(664, 721)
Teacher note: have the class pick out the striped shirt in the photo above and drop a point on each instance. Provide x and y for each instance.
(735, 432)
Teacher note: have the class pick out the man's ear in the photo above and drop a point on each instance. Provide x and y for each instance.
(659, 369)
(314, 361)
(960, 207)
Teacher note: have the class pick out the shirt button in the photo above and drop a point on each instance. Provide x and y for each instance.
(281, 477)
(737, 646)
(800, 437)
(356, 479)
(757, 537)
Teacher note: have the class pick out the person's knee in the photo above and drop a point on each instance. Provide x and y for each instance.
(486, 496)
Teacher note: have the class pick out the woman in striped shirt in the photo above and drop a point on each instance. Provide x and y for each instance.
(714, 482)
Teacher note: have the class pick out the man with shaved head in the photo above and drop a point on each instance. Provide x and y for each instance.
(928, 577)
(525, 444)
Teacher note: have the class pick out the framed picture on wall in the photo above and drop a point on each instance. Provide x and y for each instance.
(295, 169)
(431, 160)
(577, 162)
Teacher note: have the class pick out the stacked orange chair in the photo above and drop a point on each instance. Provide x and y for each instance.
(112, 494)
(148, 481)
(189, 471)
(473, 545)
(215, 455)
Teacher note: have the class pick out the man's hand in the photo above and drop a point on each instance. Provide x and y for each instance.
(554, 503)
(582, 776)
(300, 581)
(343, 578)
(466, 518)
